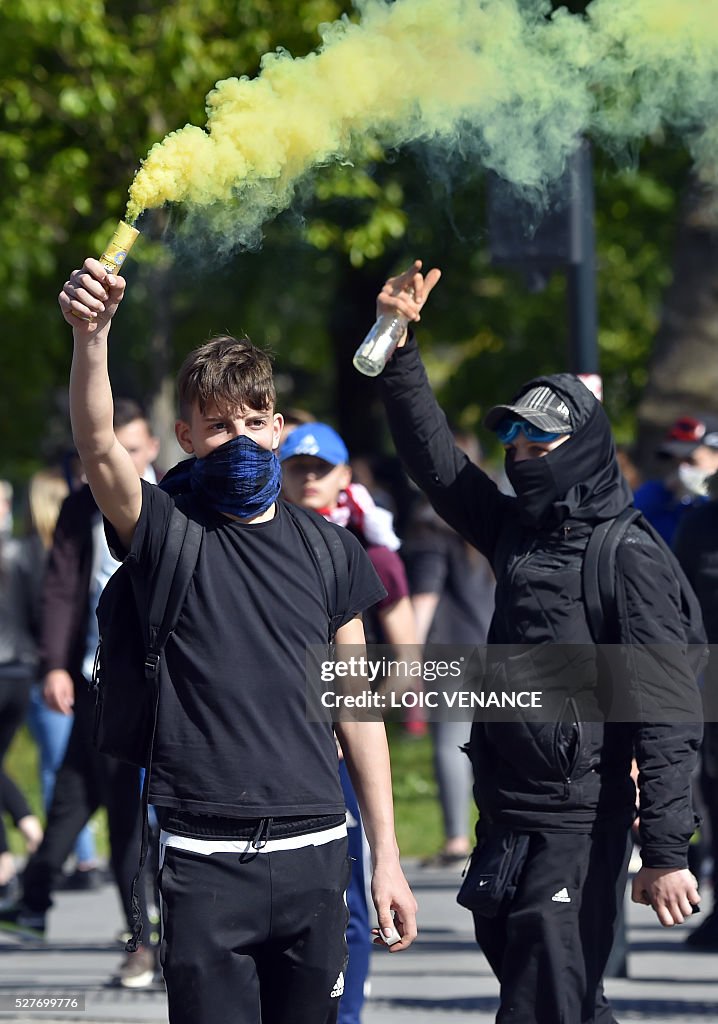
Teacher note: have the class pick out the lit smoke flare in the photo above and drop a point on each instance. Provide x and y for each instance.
(498, 78)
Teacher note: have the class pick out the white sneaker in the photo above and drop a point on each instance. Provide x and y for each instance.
(138, 969)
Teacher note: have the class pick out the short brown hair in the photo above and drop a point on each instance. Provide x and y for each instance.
(228, 372)
(126, 410)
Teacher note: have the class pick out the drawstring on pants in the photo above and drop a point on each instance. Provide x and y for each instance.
(261, 836)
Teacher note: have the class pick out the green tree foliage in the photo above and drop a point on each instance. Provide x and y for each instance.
(86, 89)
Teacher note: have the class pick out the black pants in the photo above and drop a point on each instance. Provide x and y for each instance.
(549, 946)
(88, 780)
(254, 939)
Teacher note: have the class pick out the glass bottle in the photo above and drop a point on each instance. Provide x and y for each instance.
(377, 348)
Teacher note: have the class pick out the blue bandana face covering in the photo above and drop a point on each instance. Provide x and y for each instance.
(239, 477)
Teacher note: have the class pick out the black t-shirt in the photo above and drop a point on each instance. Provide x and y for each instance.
(233, 737)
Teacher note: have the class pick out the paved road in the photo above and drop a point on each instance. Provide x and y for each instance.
(443, 979)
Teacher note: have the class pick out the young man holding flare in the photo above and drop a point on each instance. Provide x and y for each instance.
(247, 790)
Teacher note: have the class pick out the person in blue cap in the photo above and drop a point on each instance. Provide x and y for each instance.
(316, 475)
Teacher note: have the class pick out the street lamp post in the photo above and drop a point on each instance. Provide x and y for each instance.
(564, 238)
(581, 268)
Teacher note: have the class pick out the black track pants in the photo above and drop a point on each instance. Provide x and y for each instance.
(549, 947)
(264, 931)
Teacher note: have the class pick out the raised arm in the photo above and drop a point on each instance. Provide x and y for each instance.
(89, 300)
(462, 494)
(64, 599)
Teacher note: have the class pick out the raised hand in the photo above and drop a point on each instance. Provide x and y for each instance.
(407, 292)
(89, 299)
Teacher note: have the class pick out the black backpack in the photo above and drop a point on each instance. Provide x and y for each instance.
(599, 596)
(598, 580)
(127, 662)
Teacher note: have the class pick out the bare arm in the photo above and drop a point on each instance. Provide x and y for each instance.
(399, 627)
(88, 302)
(424, 606)
(367, 756)
(64, 600)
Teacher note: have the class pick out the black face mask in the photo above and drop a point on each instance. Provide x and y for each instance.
(579, 479)
(535, 487)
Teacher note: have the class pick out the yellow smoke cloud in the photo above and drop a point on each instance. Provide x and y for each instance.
(496, 77)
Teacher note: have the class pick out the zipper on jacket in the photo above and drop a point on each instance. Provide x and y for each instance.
(574, 720)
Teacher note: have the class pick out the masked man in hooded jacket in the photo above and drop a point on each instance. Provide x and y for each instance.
(559, 785)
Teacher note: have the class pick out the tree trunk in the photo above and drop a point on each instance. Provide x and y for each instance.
(683, 372)
(361, 413)
(163, 403)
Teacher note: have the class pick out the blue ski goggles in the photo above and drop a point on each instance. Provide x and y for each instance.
(508, 429)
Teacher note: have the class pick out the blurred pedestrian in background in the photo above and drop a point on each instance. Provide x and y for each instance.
(294, 417)
(696, 546)
(690, 452)
(316, 475)
(50, 728)
(79, 566)
(452, 592)
(21, 567)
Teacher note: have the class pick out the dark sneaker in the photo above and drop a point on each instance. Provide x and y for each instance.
(82, 881)
(444, 859)
(139, 968)
(19, 920)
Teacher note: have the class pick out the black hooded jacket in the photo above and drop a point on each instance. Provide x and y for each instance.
(570, 773)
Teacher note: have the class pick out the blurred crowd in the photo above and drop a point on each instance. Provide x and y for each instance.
(54, 563)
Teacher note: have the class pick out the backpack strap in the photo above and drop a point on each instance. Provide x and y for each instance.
(598, 573)
(175, 568)
(329, 553)
(176, 565)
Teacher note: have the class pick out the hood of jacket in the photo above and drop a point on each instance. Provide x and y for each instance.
(581, 479)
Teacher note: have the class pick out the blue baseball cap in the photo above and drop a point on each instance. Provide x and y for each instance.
(317, 439)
